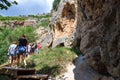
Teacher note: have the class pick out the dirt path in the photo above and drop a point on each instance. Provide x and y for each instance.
(69, 75)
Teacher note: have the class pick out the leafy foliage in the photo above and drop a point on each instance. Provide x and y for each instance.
(2, 18)
(77, 51)
(44, 23)
(55, 4)
(51, 61)
(5, 77)
(5, 4)
(41, 16)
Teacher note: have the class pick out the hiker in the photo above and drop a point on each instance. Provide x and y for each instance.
(11, 52)
(28, 49)
(21, 49)
(32, 48)
(38, 45)
(36, 51)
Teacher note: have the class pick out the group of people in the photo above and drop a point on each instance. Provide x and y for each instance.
(19, 51)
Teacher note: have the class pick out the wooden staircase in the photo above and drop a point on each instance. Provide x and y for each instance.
(22, 74)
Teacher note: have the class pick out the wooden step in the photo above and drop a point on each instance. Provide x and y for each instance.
(16, 71)
(32, 77)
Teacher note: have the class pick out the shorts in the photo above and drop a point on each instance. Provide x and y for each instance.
(21, 50)
(11, 55)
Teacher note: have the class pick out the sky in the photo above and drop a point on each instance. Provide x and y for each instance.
(28, 7)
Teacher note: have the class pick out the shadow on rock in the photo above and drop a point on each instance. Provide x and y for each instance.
(83, 71)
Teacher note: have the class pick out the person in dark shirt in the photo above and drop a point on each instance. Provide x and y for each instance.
(22, 41)
(22, 47)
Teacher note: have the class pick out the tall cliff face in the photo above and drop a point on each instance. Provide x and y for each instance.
(98, 23)
(63, 23)
(94, 26)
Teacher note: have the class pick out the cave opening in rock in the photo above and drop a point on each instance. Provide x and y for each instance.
(69, 11)
(65, 24)
(60, 45)
(59, 27)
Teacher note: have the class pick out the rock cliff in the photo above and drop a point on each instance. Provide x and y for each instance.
(63, 24)
(94, 26)
(44, 36)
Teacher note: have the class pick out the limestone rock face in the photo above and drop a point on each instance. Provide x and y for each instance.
(94, 26)
(63, 23)
(83, 71)
(98, 23)
(44, 36)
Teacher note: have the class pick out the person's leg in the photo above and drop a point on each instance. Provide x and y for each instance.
(23, 59)
(36, 51)
(33, 50)
(11, 60)
(28, 54)
(18, 59)
(15, 60)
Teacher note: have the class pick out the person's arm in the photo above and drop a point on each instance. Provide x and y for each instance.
(16, 48)
(9, 48)
(8, 51)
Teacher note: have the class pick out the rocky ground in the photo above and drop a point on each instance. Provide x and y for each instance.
(68, 75)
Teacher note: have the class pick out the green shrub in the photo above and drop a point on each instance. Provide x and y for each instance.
(40, 16)
(4, 18)
(44, 23)
(77, 51)
(51, 61)
(5, 77)
(55, 4)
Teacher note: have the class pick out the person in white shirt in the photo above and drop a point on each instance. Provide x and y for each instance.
(28, 49)
(11, 52)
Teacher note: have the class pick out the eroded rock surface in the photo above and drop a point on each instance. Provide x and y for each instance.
(94, 26)
(63, 23)
(99, 29)
(83, 71)
(44, 36)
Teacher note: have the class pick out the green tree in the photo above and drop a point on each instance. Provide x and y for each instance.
(55, 4)
(5, 4)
